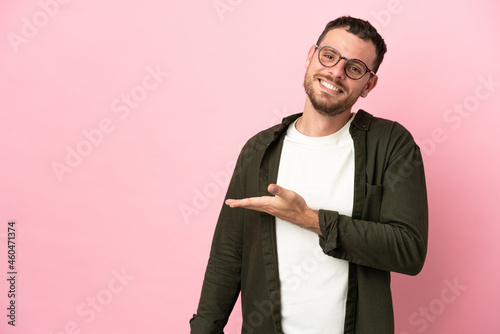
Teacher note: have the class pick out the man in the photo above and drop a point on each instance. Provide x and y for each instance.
(348, 205)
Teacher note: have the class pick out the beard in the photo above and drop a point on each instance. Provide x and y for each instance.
(323, 106)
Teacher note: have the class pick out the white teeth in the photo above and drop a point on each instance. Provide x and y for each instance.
(327, 85)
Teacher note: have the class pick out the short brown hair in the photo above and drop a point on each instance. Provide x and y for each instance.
(361, 28)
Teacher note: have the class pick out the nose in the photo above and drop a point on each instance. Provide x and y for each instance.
(338, 71)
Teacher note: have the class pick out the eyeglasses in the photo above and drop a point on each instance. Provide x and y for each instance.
(353, 68)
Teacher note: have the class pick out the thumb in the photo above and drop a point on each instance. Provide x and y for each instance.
(279, 191)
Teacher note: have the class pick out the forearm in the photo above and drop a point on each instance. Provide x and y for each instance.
(386, 246)
(391, 232)
(219, 294)
(311, 221)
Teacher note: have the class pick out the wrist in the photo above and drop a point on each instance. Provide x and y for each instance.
(312, 221)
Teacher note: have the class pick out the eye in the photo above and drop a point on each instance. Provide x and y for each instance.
(356, 67)
(328, 55)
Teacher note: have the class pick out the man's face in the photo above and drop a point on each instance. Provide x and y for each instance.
(329, 90)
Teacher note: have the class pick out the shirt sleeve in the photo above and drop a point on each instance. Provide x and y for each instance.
(392, 234)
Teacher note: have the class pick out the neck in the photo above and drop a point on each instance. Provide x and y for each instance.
(314, 124)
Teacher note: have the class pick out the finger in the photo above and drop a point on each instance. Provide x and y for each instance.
(229, 202)
(281, 192)
(274, 189)
(251, 202)
(234, 203)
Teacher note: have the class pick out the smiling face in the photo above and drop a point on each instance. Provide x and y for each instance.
(328, 89)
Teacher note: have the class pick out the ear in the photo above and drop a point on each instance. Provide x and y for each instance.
(369, 85)
(310, 55)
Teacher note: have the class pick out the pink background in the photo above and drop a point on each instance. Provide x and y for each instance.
(115, 238)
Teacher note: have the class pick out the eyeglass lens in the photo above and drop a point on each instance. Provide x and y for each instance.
(354, 68)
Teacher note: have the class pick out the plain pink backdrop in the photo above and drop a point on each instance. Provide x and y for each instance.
(121, 122)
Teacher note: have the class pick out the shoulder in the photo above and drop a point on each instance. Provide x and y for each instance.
(264, 138)
(383, 132)
(378, 126)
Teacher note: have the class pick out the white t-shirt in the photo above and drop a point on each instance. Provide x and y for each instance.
(314, 285)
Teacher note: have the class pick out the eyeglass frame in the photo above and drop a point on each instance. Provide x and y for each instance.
(345, 63)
